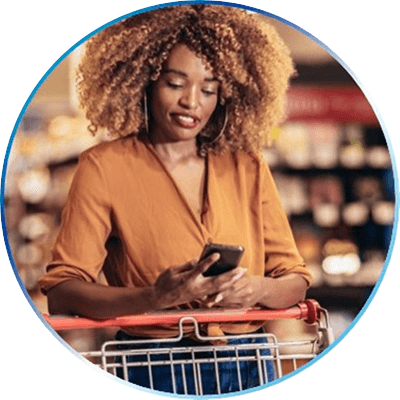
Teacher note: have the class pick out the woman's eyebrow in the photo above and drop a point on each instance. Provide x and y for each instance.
(174, 71)
(184, 74)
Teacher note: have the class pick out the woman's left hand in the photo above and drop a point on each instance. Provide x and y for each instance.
(246, 292)
(249, 291)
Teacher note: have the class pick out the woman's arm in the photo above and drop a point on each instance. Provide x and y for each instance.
(176, 285)
(284, 291)
(96, 301)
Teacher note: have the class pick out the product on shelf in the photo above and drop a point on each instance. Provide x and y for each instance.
(326, 189)
(293, 193)
(293, 144)
(340, 258)
(325, 141)
(383, 212)
(352, 153)
(369, 189)
(29, 254)
(35, 226)
(378, 157)
(61, 179)
(308, 240)
(326, 197)
(326, 215)
(355, 213)
(34, 184)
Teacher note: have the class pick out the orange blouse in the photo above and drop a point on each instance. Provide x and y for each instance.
(126, 216)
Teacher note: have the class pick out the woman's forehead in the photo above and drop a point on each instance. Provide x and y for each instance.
(182, 60)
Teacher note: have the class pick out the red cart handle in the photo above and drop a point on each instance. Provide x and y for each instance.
(308, 310)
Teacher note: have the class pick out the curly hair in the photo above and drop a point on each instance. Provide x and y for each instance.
(247, 56)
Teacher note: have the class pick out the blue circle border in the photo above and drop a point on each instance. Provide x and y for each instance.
(251, 9)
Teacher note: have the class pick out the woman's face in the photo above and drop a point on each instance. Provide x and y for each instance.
(183, 98)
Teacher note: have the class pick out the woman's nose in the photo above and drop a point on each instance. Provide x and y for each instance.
(190, 98)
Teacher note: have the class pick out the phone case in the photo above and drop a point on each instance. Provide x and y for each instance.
(229, 258)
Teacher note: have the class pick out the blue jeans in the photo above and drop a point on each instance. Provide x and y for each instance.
(207, 377)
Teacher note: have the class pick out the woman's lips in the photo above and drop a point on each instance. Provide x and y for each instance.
(186, 120)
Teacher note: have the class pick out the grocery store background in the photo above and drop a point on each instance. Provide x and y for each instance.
(330, 161)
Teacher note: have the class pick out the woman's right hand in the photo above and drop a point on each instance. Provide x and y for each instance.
(184, 283)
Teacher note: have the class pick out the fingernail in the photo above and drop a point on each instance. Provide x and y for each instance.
(218, 298)
(240, 271)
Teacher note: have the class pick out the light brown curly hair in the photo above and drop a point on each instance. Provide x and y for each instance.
(246, 55)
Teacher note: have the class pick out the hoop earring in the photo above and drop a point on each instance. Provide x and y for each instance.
(146, 115)
(214, 139)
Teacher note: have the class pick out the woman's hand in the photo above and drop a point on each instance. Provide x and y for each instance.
(184, 283)
(245, 292)
(250, 290)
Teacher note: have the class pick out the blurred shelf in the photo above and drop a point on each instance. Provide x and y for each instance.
(342, 297)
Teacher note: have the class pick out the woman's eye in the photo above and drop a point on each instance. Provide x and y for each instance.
(174, 85)
(209, 92)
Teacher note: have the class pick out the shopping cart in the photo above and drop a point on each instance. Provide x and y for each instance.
(186, 364)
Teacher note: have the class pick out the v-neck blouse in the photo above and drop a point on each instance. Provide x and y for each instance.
(204, 202)
(126, 217)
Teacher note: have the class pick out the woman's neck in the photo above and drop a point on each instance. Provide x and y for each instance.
(176, 152)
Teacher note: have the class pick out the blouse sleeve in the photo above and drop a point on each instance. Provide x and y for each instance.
(281, 254)
(79, 251)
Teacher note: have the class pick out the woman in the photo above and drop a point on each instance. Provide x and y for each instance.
(191, 92)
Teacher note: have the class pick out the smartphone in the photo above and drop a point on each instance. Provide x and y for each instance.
(229, 258)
